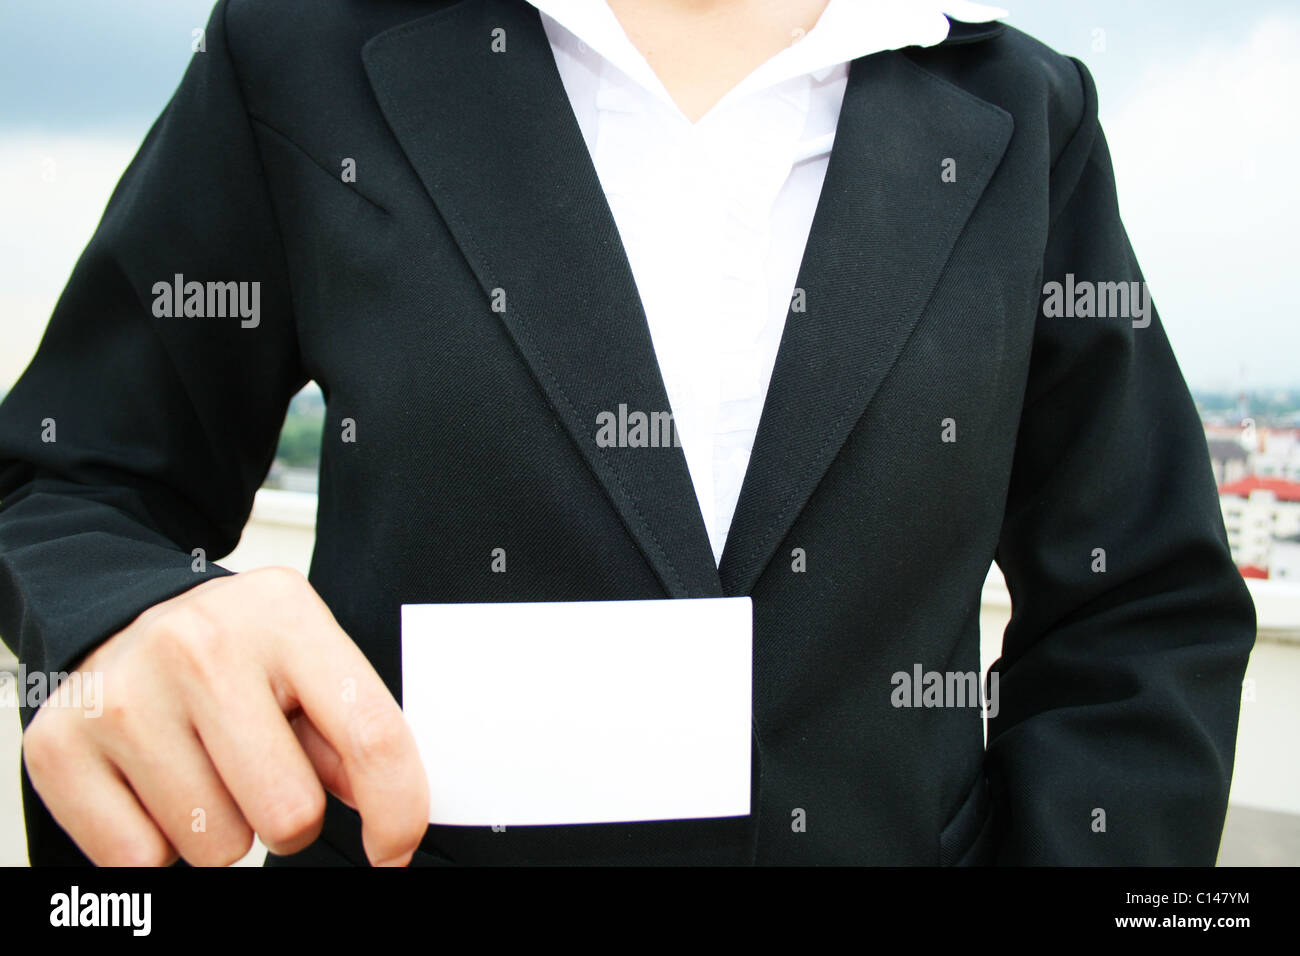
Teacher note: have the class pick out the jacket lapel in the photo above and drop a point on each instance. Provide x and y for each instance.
(493, 138)
(885, 226)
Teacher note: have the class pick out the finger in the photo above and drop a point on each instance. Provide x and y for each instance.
(352, 709)
(324, 759)
(263, 766)
(110, 827)
(175, 781)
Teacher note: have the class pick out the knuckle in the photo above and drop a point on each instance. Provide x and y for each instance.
(378, 736)
(118, 720)
(287, 595)
(225, 847)
(140, 852)
(278, 578)
(147, 620)
(193, 638)
(295, 822)
(45, 747)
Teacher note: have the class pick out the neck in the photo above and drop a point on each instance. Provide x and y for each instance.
(701, 49)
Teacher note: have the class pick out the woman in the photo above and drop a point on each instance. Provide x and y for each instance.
(826, 237)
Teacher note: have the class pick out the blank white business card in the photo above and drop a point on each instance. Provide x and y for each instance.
(581, 712)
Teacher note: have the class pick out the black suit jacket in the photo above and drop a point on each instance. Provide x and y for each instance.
(476, 429)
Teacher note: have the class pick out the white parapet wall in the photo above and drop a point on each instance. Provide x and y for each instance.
(280, 531)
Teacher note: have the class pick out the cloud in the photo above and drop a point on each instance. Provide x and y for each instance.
(56, 187)
(105, 65)
(1203, 149)
(1202, 145)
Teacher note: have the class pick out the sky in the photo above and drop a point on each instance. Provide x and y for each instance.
(1198, 101)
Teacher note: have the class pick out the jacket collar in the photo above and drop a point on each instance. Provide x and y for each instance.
(493, 139)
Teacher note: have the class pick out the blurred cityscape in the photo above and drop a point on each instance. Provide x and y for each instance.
(297, 459)
(1254, 444)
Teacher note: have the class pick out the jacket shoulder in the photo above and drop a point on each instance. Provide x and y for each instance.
(1042, 89)
(283, 34)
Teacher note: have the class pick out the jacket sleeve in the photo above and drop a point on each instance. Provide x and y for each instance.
(134, 438)
(1121, 668)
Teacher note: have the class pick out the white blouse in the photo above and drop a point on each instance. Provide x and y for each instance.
(714, 216)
